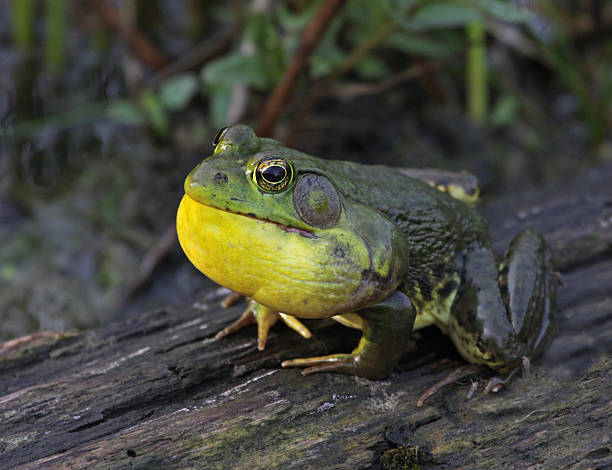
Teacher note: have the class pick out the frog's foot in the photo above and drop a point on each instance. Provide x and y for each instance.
(494, 384)
(459, 373)
(387, 327)
(264, 318)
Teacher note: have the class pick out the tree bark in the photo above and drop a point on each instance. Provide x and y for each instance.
(157, 391)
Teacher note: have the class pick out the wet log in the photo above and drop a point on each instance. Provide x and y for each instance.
(157, 391)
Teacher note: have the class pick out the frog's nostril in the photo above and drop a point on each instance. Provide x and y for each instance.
(221, 178)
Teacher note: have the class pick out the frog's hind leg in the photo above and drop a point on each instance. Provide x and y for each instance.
(504, 316)
(529, 285)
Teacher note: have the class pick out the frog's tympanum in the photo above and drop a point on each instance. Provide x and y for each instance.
(381, 249)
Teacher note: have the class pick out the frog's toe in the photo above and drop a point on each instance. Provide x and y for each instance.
(494, 385)
(265, 318)
(247, 318)
(264, 323)
(296, 325)
(343, 363)
(254, 313)
(497, 384)
(370, 365)
(230, 299)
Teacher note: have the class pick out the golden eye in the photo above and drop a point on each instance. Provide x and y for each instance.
(273, 174)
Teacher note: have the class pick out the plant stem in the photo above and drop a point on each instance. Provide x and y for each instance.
(476, 72)
(23, 22)
(55, 33)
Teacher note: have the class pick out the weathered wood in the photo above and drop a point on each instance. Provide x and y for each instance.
(156, 391)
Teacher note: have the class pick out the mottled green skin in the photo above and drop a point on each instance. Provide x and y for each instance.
(430, 257)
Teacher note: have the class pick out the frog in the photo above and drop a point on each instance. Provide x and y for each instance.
(384, 250)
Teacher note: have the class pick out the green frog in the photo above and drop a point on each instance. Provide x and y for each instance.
(384, 250)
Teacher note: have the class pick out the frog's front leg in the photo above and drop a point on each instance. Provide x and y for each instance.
(264, 317)
(387, 327)
(504, 315)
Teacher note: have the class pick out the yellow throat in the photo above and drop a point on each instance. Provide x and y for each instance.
(280, 269)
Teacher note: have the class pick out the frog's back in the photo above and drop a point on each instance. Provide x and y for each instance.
(437, 226)
(424, 213)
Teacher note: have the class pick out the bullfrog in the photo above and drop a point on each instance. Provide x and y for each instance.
(381, 249)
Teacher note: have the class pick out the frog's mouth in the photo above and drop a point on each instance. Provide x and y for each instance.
(286, 228)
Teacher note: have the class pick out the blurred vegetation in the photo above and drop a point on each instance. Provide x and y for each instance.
(105, 106)
(368, 41)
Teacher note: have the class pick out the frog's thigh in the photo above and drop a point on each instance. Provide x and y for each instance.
(387, 328)
(497, 324)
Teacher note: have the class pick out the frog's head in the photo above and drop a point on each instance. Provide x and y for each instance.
(264, 179)
(274, 224)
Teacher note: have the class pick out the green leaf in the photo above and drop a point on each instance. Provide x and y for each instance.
(372, 68)
(324, 61)
(362, 18)
(328, 54)
(235, 69)
(8, 271)
(298, 21)
(269, 52)
(505, 110)
(125, 112)
(178, 91)
(503, 10)
(155, 112)
(395, 6)
(219, 98)
(441, 15)
(426, 46)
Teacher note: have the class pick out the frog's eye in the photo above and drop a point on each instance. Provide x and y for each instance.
(218, 136)
(317, 201)
(273, 174)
